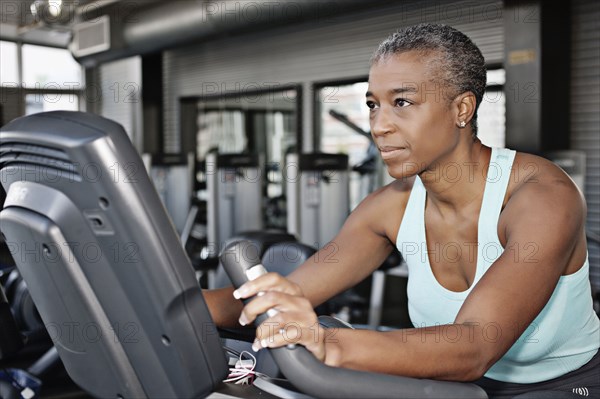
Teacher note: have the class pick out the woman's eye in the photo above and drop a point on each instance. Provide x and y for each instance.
(371, 104)
(400, 102)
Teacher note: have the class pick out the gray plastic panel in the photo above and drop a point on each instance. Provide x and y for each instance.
(73, 318)
(113, 284)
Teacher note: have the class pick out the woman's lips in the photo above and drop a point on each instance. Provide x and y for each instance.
(388, 152)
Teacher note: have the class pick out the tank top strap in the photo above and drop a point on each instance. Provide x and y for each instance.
(414, 217)
(497, 179)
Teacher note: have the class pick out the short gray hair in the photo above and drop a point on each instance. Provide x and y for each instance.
(457, 62)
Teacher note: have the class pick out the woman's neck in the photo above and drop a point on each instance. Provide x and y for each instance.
(458, 179)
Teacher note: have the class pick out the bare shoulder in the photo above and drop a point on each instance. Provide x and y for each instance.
(539, 178)
(542, 199)
(383, 209)
(393, 195)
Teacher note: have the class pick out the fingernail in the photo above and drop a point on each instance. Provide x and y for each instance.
(264, 343)
(243, 320)
(256, 345)
(240, 292)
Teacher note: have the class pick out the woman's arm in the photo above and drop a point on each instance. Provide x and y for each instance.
(360, 247)
(224, 308)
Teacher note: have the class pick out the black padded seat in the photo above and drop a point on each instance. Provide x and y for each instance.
(263, 239)
(285, 257)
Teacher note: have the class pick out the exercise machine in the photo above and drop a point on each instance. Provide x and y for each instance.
(317, 196)
(103, 262)
(367, 168)
(234, 186)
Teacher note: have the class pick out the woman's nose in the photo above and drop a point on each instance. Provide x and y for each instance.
(381, 122)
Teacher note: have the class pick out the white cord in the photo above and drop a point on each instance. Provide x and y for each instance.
(243, 370)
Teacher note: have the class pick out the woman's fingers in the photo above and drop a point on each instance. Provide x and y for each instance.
(294, 321)
(267, 282)
(291, 328)
(277, 300)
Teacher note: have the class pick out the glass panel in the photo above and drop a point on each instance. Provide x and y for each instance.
(279, 139)
(336, 137)
(35, 103)
(259, 123)
(8, 63)
(348, 101)
(491, 119)
(222, 131)
(492, 111)
(496, 77)
(50, 68)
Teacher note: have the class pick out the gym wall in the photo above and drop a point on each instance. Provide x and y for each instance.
(318, 50)
(120, 84)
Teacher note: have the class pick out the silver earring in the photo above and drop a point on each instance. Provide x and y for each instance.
(462, 124)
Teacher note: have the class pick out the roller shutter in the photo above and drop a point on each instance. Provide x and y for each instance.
(585, 112)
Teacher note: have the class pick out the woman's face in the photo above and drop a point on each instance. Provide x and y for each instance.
(412, 121)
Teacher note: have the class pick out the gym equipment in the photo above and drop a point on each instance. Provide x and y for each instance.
(317, 196)
(234, 184)
(196, 217)
(314, 377)
(366, 169)
(281, 257)
(233, 204)
(102, 260)
(140, 327)
(24, 310)
(262, 241)
(285, 257)
(21, 332)
(17, 384)
(11, 340)
(195, 243)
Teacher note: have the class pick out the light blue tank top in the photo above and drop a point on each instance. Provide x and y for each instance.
(562, 338)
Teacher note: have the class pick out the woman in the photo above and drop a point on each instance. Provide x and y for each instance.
(494, 240)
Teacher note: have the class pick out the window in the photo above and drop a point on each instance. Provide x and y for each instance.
(344, 123)
(491, 116)
(261, 123)
(38, 79)
(42, 102)
(8, 63)
(336, 137)
(50, 69)
(223, 131)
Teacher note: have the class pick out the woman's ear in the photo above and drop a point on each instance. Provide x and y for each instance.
(465, 105)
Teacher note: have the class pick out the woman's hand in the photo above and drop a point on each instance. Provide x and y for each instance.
(294, 321)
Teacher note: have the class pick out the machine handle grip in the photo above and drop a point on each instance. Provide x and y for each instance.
(241, 263)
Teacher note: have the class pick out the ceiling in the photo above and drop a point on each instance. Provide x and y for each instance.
(144, 26)
(17, 23)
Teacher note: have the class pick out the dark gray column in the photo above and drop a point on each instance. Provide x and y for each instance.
(537, 54)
